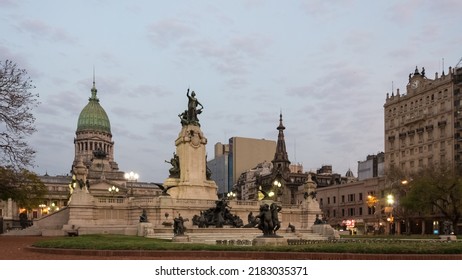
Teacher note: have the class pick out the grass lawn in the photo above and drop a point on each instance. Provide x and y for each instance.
(356, 244)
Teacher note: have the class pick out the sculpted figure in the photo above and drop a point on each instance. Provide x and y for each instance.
(175, 169)
(265, 220)
(144, 217)
(178, 225)
(274, 215)
(193, 109)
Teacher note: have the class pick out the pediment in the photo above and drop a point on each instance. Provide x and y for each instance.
(102, 187)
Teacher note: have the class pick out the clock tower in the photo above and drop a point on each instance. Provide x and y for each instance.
(416, 80)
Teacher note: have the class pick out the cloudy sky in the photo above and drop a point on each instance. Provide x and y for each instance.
(327, 65)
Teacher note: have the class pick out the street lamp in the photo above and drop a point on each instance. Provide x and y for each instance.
(389, 210)
(131, 176)
(113, 190)
(231, 195)
(277, 184)
(372, 203)
(42, 206)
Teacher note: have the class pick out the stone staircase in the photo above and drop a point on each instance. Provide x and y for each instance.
(29, 231)
(235, 236)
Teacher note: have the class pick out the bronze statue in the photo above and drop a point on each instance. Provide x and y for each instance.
(275, 209)
(318, 221)
(81, 183)
(175, 169)
(268, 219)
(99, 153)
(189, 117)
(178, 225)
(164, 189)
(184, 118)
(144, 217)
(265, 220)
(208, 172)
(218, 216)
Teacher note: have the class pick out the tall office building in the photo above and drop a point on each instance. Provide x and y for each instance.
(424, 125)
(236, 157)
(371, 167)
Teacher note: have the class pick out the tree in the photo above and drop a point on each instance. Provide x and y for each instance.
(398, 187)
(436, 190)
(16, 118)
(16, 123)
(23, 186)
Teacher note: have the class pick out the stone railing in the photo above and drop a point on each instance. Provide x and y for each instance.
(111, 200)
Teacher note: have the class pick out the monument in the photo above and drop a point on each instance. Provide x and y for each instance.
(185, 208)
(188, 176)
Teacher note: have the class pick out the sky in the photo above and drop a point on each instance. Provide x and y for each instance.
(326, 65)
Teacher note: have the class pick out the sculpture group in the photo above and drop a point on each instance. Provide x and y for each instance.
(268, 219)
(217, 216)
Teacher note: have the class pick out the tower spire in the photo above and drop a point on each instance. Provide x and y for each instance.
(93, 89)
(281, 159)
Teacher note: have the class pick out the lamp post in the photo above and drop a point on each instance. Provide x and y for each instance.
(277, 184)
(42, 206)
(131, 177)
(399, 189)
(372, 202)
(231, 195)
(113, 190)
(389, 210)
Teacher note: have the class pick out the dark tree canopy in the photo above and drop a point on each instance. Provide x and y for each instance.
(16, 118)
(23, 186)
(436, 190)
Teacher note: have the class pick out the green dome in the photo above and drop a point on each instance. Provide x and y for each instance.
(93, 117)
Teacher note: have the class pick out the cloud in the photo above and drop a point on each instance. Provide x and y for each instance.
(40, 29)
(8, 3)
(166, 32)
(63, 102)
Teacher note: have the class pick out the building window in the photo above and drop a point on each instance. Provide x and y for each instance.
(360, 196)
(351, 212)
(334, 213)
(360, 211)
(320, 201)
(351, 197)
(328, 200)
(343, 199)
(335, 199)
(343, 212)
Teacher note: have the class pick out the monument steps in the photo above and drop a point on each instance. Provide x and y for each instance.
(30, 231)
(231, 235)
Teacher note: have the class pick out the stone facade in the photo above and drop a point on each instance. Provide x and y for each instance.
(423, 126)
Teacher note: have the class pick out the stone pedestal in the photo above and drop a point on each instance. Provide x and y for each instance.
(181, 239)
(207, 190)
(269, 241)
(81, 208)
(145, 229)
(193, 183)
(449, 237)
